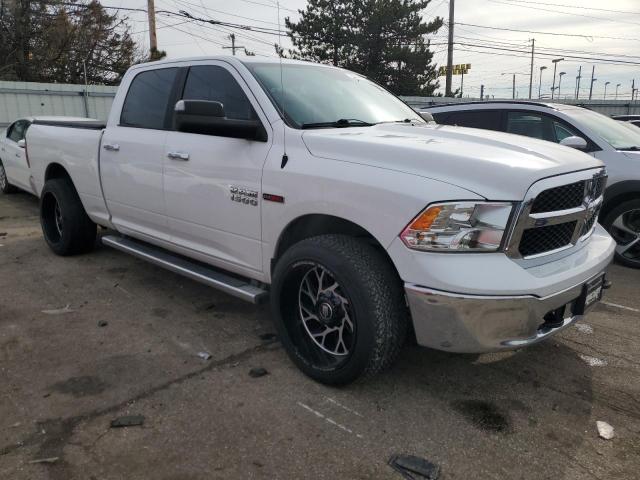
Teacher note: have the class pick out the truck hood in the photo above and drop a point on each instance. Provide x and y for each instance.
(497, 166)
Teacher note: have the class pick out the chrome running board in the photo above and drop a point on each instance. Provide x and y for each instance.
(199, 272)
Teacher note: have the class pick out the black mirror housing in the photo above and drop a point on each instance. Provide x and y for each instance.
(208, 118)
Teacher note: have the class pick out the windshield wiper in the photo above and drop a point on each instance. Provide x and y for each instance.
(341, 123)
(630, 149)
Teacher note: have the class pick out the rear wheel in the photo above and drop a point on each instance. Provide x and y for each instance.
(66, 227)
(623, 223)
(5, 186)
(339, 308)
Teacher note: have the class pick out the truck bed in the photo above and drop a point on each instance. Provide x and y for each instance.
(87, 124)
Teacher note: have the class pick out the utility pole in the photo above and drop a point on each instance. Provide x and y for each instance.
(633, 89)
(450, 50)
(533, 51)
(233, 46)
(461, 83)
(481, 92)
(513, 88)
(593, 80)
(555, 65)
(153, 39)
(578, 78)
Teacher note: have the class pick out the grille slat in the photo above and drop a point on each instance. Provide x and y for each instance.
(560, 198)
(545, 239)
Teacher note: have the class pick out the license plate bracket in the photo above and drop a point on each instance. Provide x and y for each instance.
(591, 294)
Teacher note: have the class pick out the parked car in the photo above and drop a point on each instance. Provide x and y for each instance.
(15, 172)
(14, 164)
(316, 188)
(600, 136)
(632, 119)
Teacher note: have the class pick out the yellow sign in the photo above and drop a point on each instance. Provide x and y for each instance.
(461, 69)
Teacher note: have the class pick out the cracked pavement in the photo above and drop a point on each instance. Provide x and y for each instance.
(63, 378)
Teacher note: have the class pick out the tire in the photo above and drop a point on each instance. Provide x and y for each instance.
(66, 227)
(5, 186)
(623, 223)
(367, 308)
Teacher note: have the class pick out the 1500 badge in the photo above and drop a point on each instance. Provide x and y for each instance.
(243, 195)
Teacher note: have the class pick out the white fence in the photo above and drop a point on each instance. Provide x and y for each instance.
(24, 99)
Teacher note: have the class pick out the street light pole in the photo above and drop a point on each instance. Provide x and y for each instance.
(555, 65)
(560, 82)
(606, 84)
(540, 83)
(617, 87)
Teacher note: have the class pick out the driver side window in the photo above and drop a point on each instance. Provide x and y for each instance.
(16, 131)
(213, 83)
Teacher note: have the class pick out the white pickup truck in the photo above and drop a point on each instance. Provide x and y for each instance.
(318, 189)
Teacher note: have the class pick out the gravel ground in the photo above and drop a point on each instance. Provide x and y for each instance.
(121, 337)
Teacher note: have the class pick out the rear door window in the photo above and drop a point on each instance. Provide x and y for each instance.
(530, 124)
(148, 99)
(216, 84)
(485, 119)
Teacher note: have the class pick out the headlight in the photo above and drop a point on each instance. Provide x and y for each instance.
(458, 227)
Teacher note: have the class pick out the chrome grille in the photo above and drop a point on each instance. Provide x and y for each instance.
(557, 214)
(545, 239)
(559, 198)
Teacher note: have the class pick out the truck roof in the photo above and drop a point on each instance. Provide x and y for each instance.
(230, 59)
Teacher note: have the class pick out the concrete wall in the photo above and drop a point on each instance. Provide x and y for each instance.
(606, 107)
(22, 99)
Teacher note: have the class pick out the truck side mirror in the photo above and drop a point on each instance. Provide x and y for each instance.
(578, 143)
(208, 118)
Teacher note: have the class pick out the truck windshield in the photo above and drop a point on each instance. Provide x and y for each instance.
(317, 96)
(611, 131)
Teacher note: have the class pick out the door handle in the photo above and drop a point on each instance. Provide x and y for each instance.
(112, 147)
(178, 156)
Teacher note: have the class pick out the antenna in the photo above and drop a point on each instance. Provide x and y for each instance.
(285, 158)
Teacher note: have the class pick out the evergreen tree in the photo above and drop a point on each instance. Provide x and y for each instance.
(382, 39)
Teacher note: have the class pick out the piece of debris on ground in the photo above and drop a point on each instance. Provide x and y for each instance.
(605, 430)
(58, 311)
(414, 468)
(127, 421)
(258, 372)
(204, 355)
(45, 460)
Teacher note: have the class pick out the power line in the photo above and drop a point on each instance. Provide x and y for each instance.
(537, 32)
(563, 13)
(579, 7)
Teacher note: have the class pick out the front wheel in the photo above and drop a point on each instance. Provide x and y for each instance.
(623, 223)
(339, 308)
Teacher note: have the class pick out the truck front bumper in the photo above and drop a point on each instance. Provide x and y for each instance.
(520, 310)
(476, 324)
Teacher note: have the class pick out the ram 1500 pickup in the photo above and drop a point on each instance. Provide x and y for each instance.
(316, 188)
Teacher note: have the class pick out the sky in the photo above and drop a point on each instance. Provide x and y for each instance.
(561, 28)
